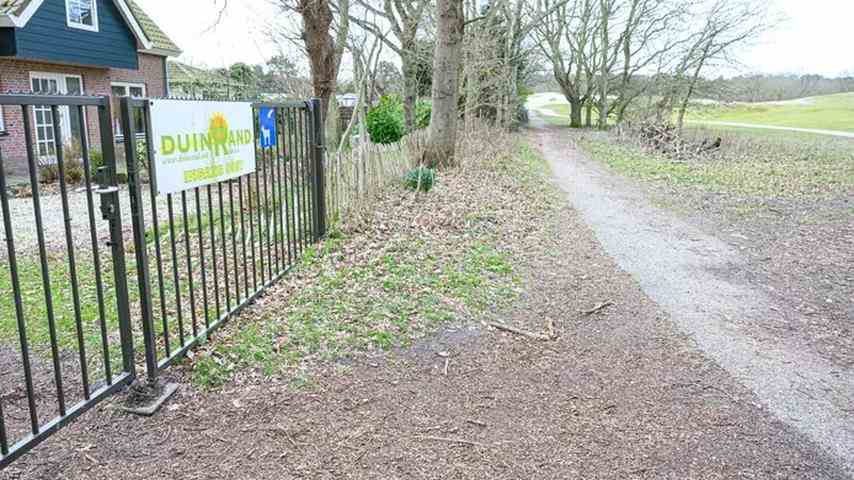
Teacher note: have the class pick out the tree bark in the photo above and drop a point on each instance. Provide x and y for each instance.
(323, 53)
(442, 139)
(576, 107)
(410, 94)
(603, 68)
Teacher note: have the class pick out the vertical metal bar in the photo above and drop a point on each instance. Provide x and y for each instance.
(257, 205)
(298, 180)
(111, 210)
(176, 279)
(16, 292)
(201, 236)
(252, 237)
(289, 197)
(155, 221)
(243, 238)
(261, 225)
(189, 256)
(306, 196)
(214, 262)
(45, 269)
(308, 133)
(319, 144)
(294, 190)
(4, 440)
(96, 255)
(69, 242)
(268, 214)
(233, 231)
(277, 194)
(224, 249)
(309, 186)
(140, 247)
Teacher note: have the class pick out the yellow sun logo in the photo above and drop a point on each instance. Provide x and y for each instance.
(218, 129)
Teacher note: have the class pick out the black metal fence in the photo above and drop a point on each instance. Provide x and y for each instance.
(78, 311)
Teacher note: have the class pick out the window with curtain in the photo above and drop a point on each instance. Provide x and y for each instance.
(82, 14)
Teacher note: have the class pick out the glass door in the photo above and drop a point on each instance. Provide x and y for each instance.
(45, 141)
(70, 123)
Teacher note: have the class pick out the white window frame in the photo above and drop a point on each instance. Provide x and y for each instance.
(82, 26)
(2, 121)
(62, 87)
(117, 127)
(127, 86)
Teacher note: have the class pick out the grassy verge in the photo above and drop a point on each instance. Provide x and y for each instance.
(750, 163)
(419, 263)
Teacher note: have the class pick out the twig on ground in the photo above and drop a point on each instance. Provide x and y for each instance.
(445, 371)
(476, 422)
(598, 308)
(507, 328)
(454, 440)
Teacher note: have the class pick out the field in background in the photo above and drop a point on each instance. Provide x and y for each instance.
(829, 112)
(750, 162)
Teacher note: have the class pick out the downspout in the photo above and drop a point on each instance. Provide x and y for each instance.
(165, 77)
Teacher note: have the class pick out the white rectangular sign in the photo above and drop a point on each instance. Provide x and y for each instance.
(200, 143)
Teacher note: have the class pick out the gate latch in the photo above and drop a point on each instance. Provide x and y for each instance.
(108, 195)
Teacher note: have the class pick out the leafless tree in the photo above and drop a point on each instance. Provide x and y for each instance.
(728, 24)
(566, 37)
(324, 51)
(403, 18)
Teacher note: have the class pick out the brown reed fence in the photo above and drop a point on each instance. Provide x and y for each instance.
(356, 175)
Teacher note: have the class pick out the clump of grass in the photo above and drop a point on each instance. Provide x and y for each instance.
(421, 178)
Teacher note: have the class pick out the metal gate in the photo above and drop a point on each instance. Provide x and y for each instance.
(63, 293)
(77, 310)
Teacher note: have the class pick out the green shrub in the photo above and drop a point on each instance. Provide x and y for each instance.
(96, 161)
(49, 173)
(421, 178)
(74, 170)
(423, 110)
(385, 121)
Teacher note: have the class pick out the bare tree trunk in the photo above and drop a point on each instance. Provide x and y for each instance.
(603, 68)
(410, 94)
(576, 108)
(588, 120)
(446, 78)
(324, 51)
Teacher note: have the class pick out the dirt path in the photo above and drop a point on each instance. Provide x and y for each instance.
(693, 276)
(621, 394)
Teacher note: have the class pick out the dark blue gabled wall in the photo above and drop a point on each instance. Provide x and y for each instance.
(48, 37)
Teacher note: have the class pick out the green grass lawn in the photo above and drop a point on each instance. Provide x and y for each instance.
(829, 112)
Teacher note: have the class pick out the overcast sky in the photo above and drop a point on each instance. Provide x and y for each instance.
(816, 38)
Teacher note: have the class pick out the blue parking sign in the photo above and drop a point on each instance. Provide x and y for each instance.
(267, 117)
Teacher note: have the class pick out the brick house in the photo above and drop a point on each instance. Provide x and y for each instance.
(91, 47)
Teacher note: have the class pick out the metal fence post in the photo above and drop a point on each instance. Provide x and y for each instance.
(111, 211)
(140, 246)
(319, 144)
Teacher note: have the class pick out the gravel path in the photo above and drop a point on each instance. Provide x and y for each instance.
(24, 226)
(690, 275)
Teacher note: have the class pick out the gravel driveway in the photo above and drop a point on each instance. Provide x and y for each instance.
(24, 225)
